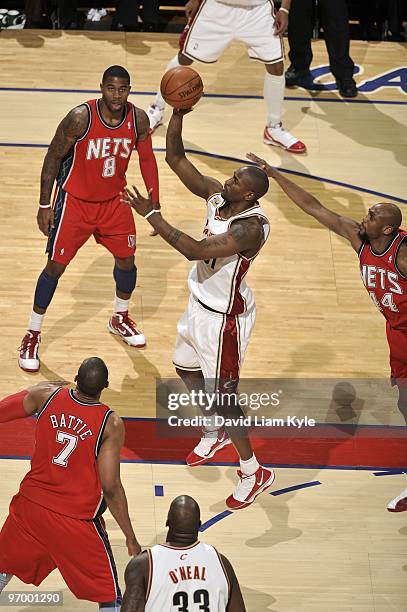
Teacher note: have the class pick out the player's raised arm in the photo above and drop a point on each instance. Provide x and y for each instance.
(136, 577)
(109, 472)
(344, 226)
(236, 603)
(244, 235)
(200, 185)
(69, 130)
(28, 401)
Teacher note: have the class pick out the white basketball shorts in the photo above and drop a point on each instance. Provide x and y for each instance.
(212, 342)
(216, 25)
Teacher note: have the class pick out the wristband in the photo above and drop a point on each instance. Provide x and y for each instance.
(44, 206)
(150, 213)
(285, 10)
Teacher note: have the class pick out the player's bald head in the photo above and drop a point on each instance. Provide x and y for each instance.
(92, 377)
(388, 213)
(184, 515)
(255, 179)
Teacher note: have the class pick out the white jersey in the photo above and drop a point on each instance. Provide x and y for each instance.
(219, 283)
(190, 579)
(243, 3)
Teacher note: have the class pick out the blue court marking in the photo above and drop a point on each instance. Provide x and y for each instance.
(304, 485)
(225, 513)
(389, 472)
(215, 519)
(246, 162)
(209, 95)
(159, 490)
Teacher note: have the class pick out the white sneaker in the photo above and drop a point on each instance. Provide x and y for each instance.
(121, 325)
(155, 115)
(399, 503)
(207, 447)
(249, 487)
(28, 358)
(277, 136)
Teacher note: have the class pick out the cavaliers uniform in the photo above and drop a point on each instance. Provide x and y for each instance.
(388, 289)
(54, 521)
(214, 331)
(218, 22)
(190, 578)
(91, 177)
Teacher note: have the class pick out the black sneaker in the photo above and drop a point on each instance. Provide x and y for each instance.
(347, 88)
(294, 78)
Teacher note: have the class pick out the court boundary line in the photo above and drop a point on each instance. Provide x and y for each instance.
(210, 95)
(245, 162)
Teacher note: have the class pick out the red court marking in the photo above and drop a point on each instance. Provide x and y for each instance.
(323, 445)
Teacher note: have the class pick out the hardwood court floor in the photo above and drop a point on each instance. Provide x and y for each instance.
(330, 547)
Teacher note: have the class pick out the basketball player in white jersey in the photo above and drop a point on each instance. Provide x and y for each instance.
(182, 574)
(213, 25)
(214, 331)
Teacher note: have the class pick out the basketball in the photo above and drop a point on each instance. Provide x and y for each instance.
(181, 87)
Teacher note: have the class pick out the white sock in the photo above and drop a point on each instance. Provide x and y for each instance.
(211, 429)
(273, 93)
(4, 580)
(35, 322)
(120, 305)
(250, 466)
(159, 100)
(115, 608)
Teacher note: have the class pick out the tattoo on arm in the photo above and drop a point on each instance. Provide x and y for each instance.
(143, 124)
(248, 233)
(69, 130)
(215, 242)
(174, 236)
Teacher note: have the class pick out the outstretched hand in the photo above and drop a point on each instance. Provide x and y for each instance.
(269, 170)
(181, 111)
(139, 203)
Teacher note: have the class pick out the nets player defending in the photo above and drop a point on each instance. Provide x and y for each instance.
(213, 25)
(88, 159)
(55, 519)
(214, 331)
(382, 249)
(183, 573)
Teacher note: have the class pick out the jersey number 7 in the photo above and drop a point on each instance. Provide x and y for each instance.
(70, 442)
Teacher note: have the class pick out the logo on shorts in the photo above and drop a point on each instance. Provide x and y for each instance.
(131, 241)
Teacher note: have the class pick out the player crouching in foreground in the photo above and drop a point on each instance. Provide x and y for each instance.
(215, 330)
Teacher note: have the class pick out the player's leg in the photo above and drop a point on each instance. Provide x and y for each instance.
(399, 503)
(117, 232)
(204, 39)
(256, 30)
(21, 554)
(70, 232)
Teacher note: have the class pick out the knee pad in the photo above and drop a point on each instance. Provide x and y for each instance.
(125, 279)
(45, 290)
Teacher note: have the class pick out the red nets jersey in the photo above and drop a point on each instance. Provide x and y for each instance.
(383, 280)
(95, 167)
(64, 475)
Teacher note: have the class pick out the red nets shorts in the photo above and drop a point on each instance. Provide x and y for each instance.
(397, 340)
(35, 540)
(110, 222)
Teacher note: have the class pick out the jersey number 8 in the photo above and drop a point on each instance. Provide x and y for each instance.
(109, 167)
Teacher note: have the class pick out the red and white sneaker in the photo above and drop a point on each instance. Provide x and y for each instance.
(207, 447)
(249, 487)
(28, 359)
(399, 503)
(121, 325)
(279, 137)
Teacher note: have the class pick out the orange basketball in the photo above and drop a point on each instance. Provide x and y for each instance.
(181, 87)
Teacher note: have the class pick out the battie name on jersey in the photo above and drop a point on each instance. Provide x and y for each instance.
(71, 422)
(374, 276)
(187, 572)
(99, 148)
